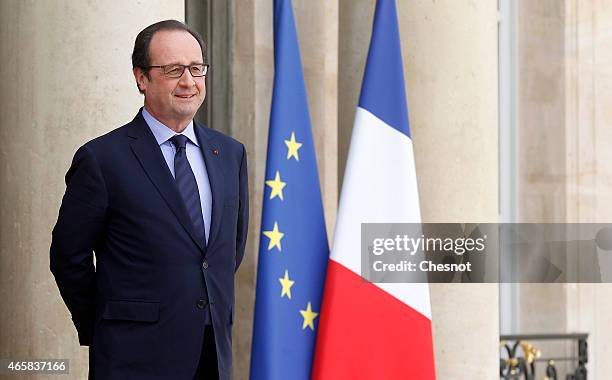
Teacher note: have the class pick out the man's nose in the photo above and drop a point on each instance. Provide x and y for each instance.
(187, 79)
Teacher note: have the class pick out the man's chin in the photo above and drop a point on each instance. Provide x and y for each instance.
(186, 111)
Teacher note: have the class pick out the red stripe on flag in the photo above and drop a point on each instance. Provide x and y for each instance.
(366, 333)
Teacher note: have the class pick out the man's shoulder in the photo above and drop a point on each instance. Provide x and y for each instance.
(109, 148)
(111, 136)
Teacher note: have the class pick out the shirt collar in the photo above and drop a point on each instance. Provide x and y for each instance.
(163, 133)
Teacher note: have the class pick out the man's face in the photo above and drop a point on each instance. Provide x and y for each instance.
(172, 100)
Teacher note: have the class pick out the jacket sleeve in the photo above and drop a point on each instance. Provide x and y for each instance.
(78, 227)
(243, 210)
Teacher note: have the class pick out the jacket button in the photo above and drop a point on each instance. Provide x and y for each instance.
(205, 264)
(201, 304)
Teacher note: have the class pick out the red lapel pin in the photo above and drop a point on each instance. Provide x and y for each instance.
(216, 152)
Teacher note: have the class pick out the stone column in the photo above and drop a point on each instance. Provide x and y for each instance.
(566, 160)
(589, 168)
(65, 78)
(450, 60)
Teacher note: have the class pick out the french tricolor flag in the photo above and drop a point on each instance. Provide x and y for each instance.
(371, 330)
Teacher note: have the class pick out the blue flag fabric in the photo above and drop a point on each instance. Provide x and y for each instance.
(293, 249)
(382, 90)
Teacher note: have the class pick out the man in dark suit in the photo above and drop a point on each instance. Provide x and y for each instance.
(163, 203)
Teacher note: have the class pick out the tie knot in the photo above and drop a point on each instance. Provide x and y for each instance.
(179, 141)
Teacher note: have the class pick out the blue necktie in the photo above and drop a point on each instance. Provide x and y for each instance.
(187, 185)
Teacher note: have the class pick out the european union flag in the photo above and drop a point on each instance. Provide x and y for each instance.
(293, 249)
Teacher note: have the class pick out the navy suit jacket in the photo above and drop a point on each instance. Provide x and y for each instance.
(142, 308)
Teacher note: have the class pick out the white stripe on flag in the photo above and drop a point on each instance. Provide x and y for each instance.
(379, 187)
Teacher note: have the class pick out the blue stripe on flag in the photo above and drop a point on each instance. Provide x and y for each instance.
(382, 90)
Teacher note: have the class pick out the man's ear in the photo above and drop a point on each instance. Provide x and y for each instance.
(142, 79)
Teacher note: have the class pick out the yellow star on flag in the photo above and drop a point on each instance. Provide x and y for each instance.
(286, 283)
(275, 237)
(292, 147)
(277, 186)
(309, 317)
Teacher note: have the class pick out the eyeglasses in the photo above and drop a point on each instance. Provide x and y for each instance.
(176, 70)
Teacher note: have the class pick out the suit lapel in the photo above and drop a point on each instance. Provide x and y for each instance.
(147, 151)
(212, 158)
